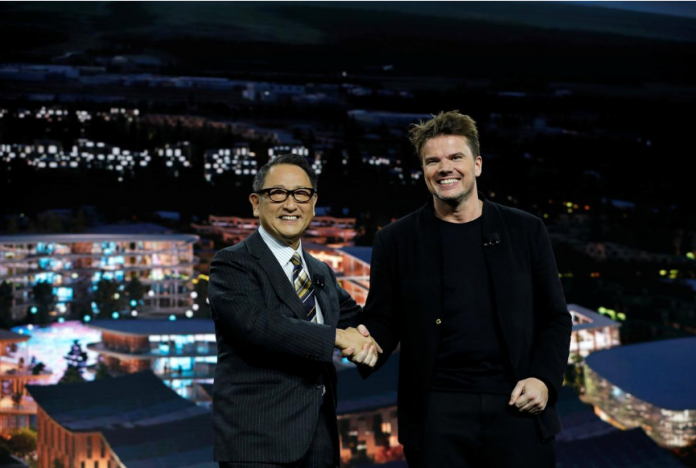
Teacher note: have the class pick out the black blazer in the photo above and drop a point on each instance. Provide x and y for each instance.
(405, 305)
(272, 363)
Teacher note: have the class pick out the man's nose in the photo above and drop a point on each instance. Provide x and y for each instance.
(290, 204)
(445, 166)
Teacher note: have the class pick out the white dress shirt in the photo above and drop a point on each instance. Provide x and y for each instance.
(283, 253)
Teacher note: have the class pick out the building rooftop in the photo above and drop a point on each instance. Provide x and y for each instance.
(361, 253)
(175, 444)
(207, 389)
(130, 228)
(645, 370)
(596, 320)
(94, 237)
(147, 327)
(379, 391)
(8, 461)
(134, 400)
(7, 335)
(618, 449)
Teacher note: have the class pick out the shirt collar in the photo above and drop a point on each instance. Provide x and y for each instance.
(282, 252)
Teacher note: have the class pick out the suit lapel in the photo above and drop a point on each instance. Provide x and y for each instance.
(430, 262)
(497, 252)
(282, 286)
(320, 294)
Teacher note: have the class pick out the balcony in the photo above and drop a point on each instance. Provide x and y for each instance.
(155, 351)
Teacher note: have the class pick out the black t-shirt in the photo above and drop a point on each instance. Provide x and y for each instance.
(471, 356)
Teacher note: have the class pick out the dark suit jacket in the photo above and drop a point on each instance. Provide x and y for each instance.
(405, 305)
(272, 363)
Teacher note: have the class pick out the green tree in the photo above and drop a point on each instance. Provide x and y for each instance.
(77, 358)
(79, 221)
(108, 297)
(38, 368)
(81, 304)
(13, 225)
(201, 300)
(72, 375)
(102, 371)
(135, 290)
(45, 300)
(6, 305)
(50, 222)
(22, 442)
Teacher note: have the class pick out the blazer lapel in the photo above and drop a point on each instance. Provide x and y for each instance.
(320, 294)
(430, 262)
(282, 286)
(497, 252)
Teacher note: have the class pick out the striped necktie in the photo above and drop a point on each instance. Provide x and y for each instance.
(303, 287)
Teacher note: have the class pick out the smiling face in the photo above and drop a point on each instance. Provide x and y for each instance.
(450, 169)
(286, 221)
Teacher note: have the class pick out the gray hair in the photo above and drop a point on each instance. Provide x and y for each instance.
(293, 159)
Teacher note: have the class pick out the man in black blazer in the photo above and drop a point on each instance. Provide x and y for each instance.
(278, 315)
(470, 289)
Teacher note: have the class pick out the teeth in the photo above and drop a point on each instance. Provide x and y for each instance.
(448, 181)
(289, 218)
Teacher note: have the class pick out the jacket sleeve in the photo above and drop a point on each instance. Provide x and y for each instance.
(379, 315)
(553, 322)
(237, 303)
(349, 310)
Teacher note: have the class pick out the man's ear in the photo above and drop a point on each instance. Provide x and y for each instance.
(255, 200)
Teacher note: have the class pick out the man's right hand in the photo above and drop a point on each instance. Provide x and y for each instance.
(358, 345)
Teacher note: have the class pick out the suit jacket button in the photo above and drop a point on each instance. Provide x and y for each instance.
(438, 322)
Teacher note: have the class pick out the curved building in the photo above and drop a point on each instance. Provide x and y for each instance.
(74, 262)
(648, 385)
(183, 353)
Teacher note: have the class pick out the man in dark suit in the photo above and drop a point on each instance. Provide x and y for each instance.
(278, 315)
(471, 291)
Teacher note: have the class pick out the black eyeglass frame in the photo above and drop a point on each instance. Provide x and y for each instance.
(267, 192)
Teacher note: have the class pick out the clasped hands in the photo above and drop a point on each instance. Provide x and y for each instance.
(357, 345)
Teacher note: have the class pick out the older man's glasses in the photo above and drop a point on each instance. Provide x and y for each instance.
(279, 195)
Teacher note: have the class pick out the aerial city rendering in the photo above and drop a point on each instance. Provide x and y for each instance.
(131, 134)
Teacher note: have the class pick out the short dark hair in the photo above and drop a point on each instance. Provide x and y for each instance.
(292, 159)
(445, 123)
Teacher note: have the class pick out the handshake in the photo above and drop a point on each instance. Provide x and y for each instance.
(357, 345)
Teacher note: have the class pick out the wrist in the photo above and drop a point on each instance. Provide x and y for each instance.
(340, 338)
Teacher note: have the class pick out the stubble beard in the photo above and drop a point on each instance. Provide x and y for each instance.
(456, 200)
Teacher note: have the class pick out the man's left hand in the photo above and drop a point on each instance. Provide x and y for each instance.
(530, 396)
